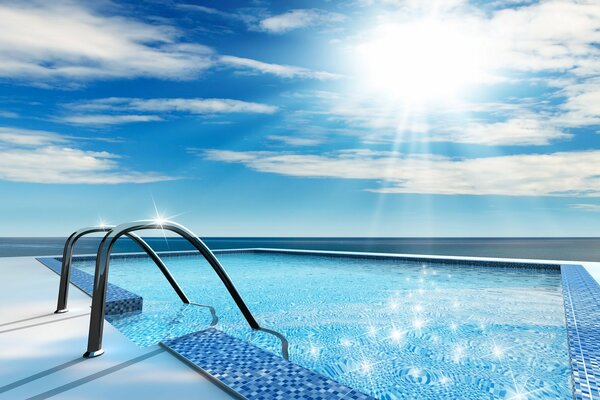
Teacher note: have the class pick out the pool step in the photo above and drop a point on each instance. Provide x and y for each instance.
(118, 300)
(252, 373)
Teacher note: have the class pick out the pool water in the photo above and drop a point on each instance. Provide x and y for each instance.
(392, 329)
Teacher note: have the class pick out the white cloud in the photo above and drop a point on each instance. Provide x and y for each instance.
(519, 131)
(117, 109)
(582, 104)
(555, 35)
(62, 39)
(284, 71)
(190, 105)
(296, 140)
(556, 174)
(44, 43)
(28, 137)
(107, 119)
(245, 17)
(46, 157)
(489, 124)
(295, 19)
(202, 9)
(8, 114)
(587, 207)
(200, 106)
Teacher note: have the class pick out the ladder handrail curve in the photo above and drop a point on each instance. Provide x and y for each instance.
(67, 260)
(101, 276)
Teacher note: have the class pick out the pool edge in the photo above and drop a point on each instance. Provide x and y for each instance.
(585, 369)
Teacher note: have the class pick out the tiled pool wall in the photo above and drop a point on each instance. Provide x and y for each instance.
(342, 254)
(581, 295)
(118, 300)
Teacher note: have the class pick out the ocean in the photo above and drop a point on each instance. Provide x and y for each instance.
(576, 249)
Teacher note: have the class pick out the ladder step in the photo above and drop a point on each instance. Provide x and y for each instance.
(253, 373)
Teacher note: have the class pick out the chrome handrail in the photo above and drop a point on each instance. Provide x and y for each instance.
(94, 348)
(67, 259)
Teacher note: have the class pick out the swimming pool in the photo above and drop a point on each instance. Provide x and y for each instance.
(391, 328)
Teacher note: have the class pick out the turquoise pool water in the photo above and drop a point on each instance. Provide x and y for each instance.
(390, 328)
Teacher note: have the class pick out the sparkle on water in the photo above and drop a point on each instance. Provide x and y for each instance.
(390, 328)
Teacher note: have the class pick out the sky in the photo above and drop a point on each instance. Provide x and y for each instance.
(302, 118)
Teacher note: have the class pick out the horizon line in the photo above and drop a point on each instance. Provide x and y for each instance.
(329, 237)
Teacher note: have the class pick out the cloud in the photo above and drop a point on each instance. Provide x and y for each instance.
(45, 43)
(199, 106)
(523, 123)
(582, 104)
(116, 110)
(295, 140)
(202, 9)
(8, 114)
(586, 207)
(257, 18)
(235, 16)
(553, 35)
(107, 119)
(569, 174)
(46, 157)
(519, 131)
(296, 19)
(28, 137)
(62, 39)
(284, 71)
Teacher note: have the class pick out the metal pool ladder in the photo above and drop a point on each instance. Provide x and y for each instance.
(67, 259)
(96, 328)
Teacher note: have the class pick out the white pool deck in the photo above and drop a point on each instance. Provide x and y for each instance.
(41, 352)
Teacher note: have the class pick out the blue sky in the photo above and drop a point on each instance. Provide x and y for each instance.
(302, 118)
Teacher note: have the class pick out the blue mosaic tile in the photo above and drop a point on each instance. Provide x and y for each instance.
(254, 373)
(118, 300)
(341, 254)
(402, 258)
(581, 295)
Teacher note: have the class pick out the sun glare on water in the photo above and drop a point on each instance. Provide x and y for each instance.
(420, 61)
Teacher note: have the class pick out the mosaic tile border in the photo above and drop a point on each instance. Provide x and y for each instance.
(342, 254)
(118, 300)
(252, 373)
(391, 256)
(581, 294)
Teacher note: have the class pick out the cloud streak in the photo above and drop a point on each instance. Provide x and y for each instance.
(34, 156)
(251, 66)
(586, 207)
(296, 19)
(486, 124)
(515, 175)
(118, 110)
(61, 39)
(296, 140)
(49, 42)
(531, 130)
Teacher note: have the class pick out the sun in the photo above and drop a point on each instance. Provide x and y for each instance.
(420, 61)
